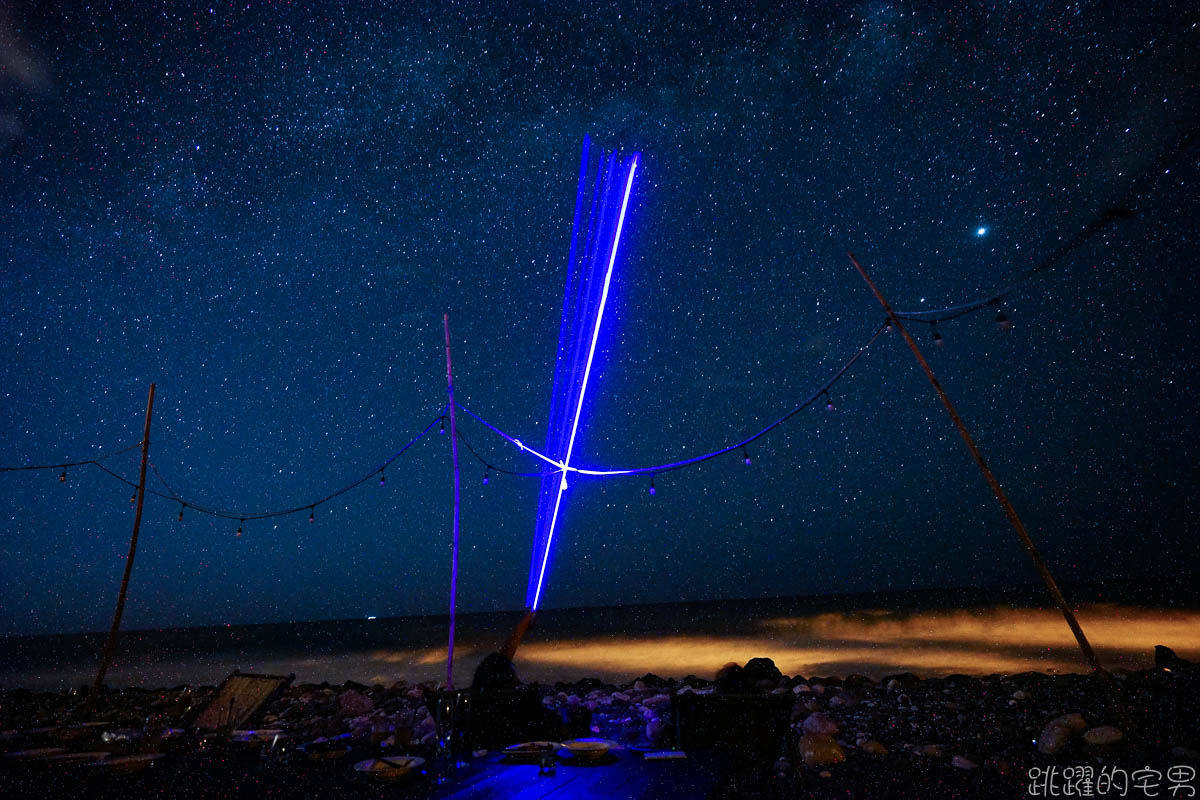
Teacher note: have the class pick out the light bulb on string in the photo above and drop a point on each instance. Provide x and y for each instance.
(937, 336)
(653, 491)
(241, 524)
(487, 474)
(182, 506)
(745, 457)
(1002, 321)
(828, 402)
(382, 478)
(312, 513)
(133, 497)
(442, 427)
(887, 324)
(62, 478)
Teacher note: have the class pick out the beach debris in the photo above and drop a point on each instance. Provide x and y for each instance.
(962, 762)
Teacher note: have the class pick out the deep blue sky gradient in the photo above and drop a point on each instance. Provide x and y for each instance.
(267, 211)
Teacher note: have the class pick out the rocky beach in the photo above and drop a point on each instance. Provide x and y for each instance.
(1002, 735)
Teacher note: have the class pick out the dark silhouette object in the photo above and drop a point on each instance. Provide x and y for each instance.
(746, 732)
(502, 711)
(495, 672)
(1165, 658)
(732, 679)
(762, 673)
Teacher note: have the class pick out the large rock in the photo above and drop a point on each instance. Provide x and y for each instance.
(353, 703)
(761, 669)
(818, 750)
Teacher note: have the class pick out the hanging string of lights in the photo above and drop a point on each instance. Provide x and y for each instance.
(489, 467)
(935, 315)
(64, 466)
(1176, 151)
(242, 517)
(822, 392)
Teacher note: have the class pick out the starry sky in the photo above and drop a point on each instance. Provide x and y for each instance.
(265, 209)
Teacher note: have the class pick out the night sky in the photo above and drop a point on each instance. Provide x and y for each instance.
(267, 210)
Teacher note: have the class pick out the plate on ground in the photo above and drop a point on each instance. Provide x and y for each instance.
(388, 768)
(73, 759)
(589, 749)
(530, 752)
(124, 765)
(37, 752)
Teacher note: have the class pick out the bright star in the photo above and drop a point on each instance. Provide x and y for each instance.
(980, 231)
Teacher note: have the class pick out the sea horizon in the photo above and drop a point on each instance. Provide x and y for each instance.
(973, 630)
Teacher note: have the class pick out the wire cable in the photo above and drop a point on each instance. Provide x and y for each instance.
(66, 464)
(171, 494)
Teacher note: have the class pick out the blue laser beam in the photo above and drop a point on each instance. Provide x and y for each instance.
(581, 284)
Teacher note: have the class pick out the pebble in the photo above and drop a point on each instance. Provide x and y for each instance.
(1103, 735)
(801, 687)
(873, 747)
(1058, 732)
(962, 762)
(1019, 694)
(817, 750)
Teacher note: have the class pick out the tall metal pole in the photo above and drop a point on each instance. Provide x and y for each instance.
(454, 555)
(111, 645)
(1009, 511)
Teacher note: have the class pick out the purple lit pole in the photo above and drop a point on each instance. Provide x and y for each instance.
(454, 555)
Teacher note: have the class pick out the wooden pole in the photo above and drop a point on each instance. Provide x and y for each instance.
(111, 645)
(509, 650)
(454, 555)
(1009, 511)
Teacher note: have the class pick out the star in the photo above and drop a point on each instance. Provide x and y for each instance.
(981, 231)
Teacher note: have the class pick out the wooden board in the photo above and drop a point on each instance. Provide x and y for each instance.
(238, 699)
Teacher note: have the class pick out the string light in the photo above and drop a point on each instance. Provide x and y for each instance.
(62, 478)
(653, 491)
(1002, 321)
(745, 457)
(312, 514)
(937, 336)
(487, 474)
(241, 524)
(182, 506)
(382, 478)
(828, 402)
(442, 427)
(887, 324)
(133, 497)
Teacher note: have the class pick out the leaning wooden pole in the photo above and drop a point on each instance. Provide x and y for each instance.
(1009, 511)
(110, 646)
(454, 554)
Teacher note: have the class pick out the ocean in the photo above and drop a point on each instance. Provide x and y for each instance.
(928, 632)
